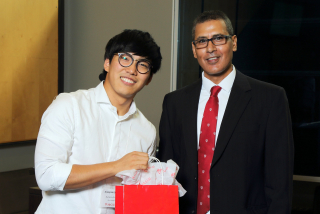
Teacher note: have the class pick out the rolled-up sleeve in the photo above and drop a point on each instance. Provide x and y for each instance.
(54, 144)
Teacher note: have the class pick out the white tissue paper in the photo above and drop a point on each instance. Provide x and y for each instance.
(153, 175)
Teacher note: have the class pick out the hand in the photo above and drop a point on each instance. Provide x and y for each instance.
(133, 160)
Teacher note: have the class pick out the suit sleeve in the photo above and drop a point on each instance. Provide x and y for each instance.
(279, 156)
(165, 133)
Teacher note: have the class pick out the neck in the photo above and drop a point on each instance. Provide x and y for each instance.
(121, 103)
(217, 78)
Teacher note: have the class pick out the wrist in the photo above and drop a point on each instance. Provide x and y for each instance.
(115, 167)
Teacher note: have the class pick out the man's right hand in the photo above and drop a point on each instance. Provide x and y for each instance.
(133, 160)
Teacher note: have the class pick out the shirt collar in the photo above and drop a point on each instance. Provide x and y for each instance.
(101, 94)
(102, 97)
(225, 84)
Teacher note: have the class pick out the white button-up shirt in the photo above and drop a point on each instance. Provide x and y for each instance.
(84, 128)
(223, 96)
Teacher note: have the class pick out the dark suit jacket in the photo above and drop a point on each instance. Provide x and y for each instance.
(252, 167)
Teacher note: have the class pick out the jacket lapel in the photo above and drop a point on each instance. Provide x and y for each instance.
(190, 123)
(238, 100)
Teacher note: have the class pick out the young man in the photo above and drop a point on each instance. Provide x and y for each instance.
(230, 134)
(88, 136)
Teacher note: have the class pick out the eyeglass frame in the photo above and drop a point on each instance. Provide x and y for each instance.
(208, 40)
(144, 60)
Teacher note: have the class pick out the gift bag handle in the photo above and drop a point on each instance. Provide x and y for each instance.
(157, 160)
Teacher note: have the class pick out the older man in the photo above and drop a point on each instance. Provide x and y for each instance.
(230, 134)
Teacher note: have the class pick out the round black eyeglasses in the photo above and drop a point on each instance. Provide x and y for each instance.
(125, 60)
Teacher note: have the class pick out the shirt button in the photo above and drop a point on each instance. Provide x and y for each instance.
(195, 178)
(192, 211)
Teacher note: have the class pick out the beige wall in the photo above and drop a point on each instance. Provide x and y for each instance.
(88, 27)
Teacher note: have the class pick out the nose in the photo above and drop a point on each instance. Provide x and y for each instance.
(211, 47)
(132, 69)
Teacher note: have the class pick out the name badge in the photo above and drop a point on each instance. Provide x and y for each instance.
(108, 196)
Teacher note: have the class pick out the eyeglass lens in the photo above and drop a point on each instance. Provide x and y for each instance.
(217, 40)
(126, 60)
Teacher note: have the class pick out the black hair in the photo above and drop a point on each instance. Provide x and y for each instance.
(212, 15)
(138, 42)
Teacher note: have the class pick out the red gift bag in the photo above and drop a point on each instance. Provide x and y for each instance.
(147, 199)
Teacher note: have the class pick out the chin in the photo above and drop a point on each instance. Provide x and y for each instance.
(220, 71)
(216, 73)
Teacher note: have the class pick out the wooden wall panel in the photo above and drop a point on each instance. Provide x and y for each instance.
(5, 99)
(28, 65)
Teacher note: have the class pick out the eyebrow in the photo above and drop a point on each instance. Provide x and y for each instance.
(204, 37)
(142, 59)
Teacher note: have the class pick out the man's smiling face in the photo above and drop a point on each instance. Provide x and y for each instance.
(124, 82)
(216, 61)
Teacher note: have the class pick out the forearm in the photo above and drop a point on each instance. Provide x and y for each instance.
(84, 175)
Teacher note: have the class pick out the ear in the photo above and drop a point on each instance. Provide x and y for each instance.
(150, 78)
(106, 65)
(194, 51)
(234, 43)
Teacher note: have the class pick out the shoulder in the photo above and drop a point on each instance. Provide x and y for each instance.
(65, 100)
(185, 92)
(263, 94)
(144, 122)
(65, 104)
(62, 104)
(143, 128)
(260, 87)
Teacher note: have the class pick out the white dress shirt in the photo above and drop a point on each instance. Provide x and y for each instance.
(84, 128)
(223, 96)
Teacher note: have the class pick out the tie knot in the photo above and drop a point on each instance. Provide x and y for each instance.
(215, 91)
